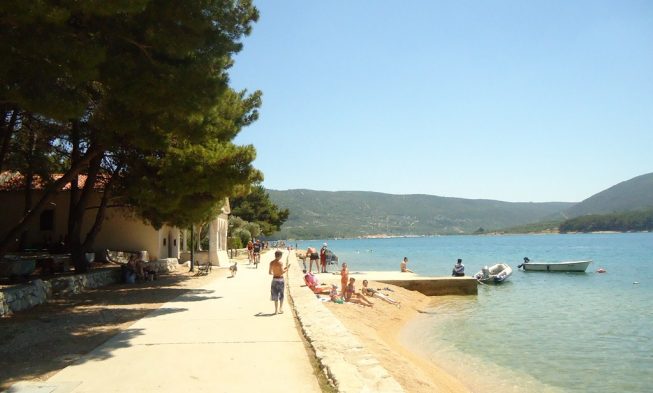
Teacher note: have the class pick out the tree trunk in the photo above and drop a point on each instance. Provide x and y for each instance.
(74, 184)
(47, 196)
(76, 216)
(5, 136)
(28, 184)
(99, 217)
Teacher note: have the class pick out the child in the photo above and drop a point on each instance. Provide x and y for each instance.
(333, 294)
(344, 278)
(353, 297)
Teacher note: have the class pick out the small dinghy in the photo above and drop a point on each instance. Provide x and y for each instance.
(494, 274)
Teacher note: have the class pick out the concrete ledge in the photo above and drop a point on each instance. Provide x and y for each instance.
(343, 358)
(429, 286)
(438, 286)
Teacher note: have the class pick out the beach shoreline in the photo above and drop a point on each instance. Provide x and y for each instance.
(379, 329)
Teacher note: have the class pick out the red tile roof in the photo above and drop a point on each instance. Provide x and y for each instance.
(15, 181)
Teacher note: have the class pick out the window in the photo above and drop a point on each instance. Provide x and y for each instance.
(47, 220)
(164, 241)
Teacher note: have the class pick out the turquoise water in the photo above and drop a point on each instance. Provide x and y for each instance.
(558, 332)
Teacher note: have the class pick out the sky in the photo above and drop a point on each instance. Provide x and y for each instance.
(510, 100)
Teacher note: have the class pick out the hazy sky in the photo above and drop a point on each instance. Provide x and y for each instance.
(509, 100)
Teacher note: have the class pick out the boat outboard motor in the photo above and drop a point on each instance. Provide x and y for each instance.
(486, 272)
(526, 260)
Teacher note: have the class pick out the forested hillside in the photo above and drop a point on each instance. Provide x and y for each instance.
(630, 195)
(323, 214)
(619, 222)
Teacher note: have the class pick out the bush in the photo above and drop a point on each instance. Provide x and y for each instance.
(242, 234)
(234, 243)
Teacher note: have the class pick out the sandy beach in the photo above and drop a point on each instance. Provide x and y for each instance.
(379, 327)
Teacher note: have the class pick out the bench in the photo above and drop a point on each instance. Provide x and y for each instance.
(203, 268)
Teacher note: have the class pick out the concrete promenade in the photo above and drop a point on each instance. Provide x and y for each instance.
(219, 338)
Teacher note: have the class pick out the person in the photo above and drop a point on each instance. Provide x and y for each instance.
(526, 260)
(311, 252)
(135, 264)
(277, 287)
(344, 278)
(302, 256)
(256, 251)
(458, 269)
(323, 258)
(403, 266)
(250, 251)
(352, 297)
(374, 293)
(313, 284)
(333, 294)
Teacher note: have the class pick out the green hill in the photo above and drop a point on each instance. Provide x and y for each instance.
(630, 195)
(324, 214)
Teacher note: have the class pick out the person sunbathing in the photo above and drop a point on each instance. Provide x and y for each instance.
(374, 293)
(352, 297)
(313, 284)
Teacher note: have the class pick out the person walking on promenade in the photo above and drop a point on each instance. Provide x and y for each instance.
(312, 255)
(277, 270)
(458, 269)
(323, 258)
(404, 266)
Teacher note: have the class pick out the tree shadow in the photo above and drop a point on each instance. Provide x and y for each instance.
(61, 337)
(45, 339)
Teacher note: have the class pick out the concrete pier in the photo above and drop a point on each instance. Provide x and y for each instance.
(438, 286)
(429, 286)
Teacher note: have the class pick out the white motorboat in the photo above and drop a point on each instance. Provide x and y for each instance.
(568, 266)
(494, 274)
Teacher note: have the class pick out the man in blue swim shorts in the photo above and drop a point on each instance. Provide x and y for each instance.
(277, 271)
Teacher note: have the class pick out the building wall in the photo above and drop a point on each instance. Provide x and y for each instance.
(12, 206)
(169, 239)
(121, 231)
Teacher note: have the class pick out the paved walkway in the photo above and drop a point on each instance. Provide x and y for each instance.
(219, 338)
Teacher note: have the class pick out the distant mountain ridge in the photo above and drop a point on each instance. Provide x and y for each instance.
(325, 214)
(629, 195)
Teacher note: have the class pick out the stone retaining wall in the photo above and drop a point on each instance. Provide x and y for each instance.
(165, 265)
(35, 292)
(344, 359)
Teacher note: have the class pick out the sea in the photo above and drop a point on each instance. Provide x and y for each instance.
(539, 331)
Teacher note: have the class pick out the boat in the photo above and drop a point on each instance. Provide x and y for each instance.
(494, 274)
(568, 266)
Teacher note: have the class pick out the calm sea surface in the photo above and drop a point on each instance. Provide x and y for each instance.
(539, 332)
